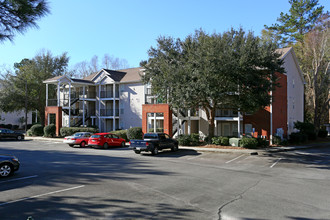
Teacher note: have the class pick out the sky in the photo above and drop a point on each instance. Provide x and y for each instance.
(126, 29)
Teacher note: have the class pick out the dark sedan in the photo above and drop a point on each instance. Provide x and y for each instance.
(8, 164)
(10, 134)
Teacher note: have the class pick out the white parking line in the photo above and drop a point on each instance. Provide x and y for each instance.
(22, 178)
(278, 160)
(45, 194)
(235, 158)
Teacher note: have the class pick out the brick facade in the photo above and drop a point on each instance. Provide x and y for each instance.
(157, 108)
(58, 112)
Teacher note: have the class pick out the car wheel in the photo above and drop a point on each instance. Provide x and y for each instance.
(5, 170)
(123, 144)
(19, 138)
(83, 144)
(155, 151)
(137, 151)
(105, 145)
(71, 145)
(175, 148)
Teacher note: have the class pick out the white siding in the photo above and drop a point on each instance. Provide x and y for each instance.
(130, 109)
(13, 117)
(295, 93)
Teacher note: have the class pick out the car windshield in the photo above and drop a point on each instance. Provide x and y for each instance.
(150, 136)
(95, 136)
(78, 134)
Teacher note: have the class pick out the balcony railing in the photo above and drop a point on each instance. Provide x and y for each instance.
(106, 112)
(106, 94)
(226, 113)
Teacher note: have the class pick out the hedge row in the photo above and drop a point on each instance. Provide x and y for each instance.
(121, 133)
(188, 140)
(67, 131)
(50, 130)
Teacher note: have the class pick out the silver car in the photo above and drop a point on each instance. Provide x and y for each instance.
(79, 138)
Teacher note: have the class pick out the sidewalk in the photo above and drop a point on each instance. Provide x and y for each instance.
(220, 150)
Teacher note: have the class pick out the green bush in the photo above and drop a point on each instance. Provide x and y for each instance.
(184, 140)
(262, 142)
(68, 131)
(284, 142)
(223, 141)
(37, 130)
(29, 132)
(135, 133)
(250, 143)
(277, 140)
(121, 133)
(49, 130)
(323, 133)
(297, 138)
(194, 139)
(307, 129)
(216, 140)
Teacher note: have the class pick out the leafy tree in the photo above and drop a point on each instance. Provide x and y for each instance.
(85, 68)
(292, 26)
(204, 71)
(26, 83)
(19, 15)
(314, 57)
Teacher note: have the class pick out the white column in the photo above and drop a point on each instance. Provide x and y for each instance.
(99, 107)
(47, 94)
(58, 93)
(48, 118)
(114, 107)
(83, 106)
(215, 127)
(69, 104)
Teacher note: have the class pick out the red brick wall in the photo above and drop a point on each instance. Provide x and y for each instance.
(280, 108)
(158, 108)
(54, 110)
(261, 120)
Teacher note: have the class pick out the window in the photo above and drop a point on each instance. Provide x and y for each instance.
(248, 128)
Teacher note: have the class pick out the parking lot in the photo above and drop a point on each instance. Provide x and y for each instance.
(56, 181)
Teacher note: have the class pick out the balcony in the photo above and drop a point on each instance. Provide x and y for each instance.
(106, 112)
(106, 94)
(226, 113)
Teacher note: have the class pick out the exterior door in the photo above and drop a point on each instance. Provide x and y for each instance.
(226, 129)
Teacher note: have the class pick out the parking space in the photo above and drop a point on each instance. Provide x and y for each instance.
(56, 181)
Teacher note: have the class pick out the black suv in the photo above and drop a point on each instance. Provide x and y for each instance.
(10, 134)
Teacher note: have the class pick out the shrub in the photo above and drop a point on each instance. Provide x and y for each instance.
(223, 141)
(298, 137)
(121, 133)
(29, 132)
(67, 131)
(29, 126)
(216, 141)
(262, 142)
(184, 140)
(284, 142)
(50, 130)
(323, 133)
(37, 130)
(134, 133)
(250, 143)
(277, 140)
(307, 129)
(194, 139)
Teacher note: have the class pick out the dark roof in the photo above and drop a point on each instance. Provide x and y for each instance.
(82, 81)
(115, 75)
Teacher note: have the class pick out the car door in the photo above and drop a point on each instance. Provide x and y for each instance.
(115, 140)
(169, 141)
(162, 141)
(2, 133)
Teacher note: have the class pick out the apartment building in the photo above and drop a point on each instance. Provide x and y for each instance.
(114, 100)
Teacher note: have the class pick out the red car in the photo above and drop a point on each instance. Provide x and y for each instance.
(80, 138)
(104, 140)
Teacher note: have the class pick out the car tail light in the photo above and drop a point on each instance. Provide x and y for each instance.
(129, 143)
(147, 144)
(73, 139)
